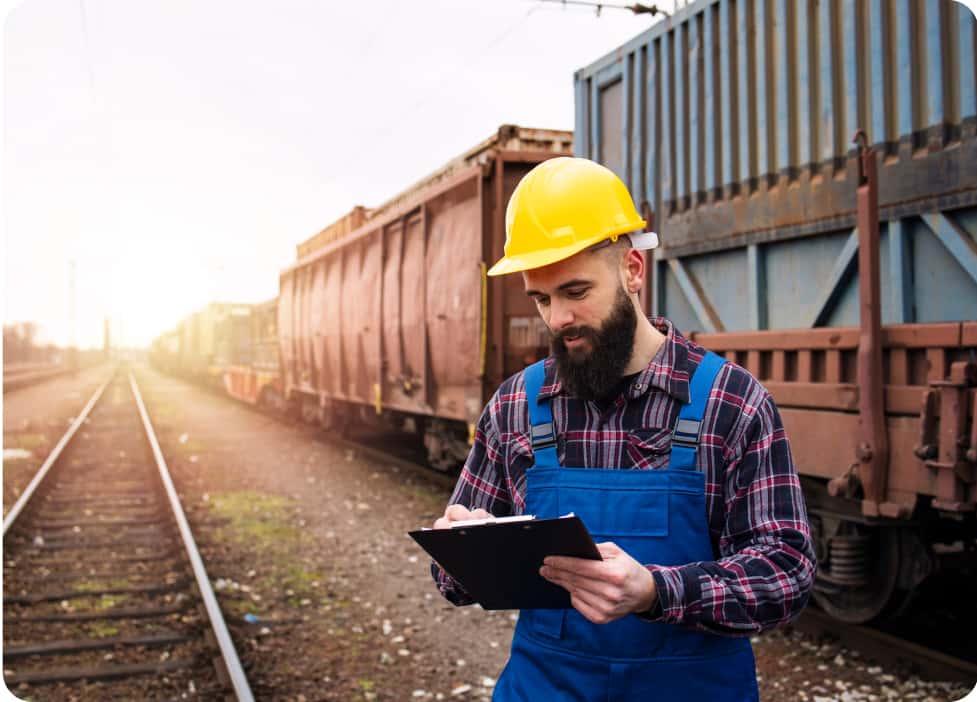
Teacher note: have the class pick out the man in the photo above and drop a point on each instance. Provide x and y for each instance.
(676, 461)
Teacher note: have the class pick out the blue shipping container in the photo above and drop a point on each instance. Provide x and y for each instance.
(732, 121)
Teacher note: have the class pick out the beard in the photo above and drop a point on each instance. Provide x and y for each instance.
(594, 374)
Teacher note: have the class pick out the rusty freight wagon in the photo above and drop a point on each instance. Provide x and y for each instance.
(255, 376)
(213, 338)
(848, 285)
(396, 322)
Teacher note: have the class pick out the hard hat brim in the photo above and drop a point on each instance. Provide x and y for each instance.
(641, 241)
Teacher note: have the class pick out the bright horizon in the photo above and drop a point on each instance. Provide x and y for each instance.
(177, 152)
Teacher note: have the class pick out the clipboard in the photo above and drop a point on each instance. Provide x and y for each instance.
(497, 561)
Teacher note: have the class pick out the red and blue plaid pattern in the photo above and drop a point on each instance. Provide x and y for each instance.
(765, 561)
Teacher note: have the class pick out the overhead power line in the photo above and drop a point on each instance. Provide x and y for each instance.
(636, 8)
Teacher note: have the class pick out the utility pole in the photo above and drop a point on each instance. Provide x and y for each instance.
(72, 345)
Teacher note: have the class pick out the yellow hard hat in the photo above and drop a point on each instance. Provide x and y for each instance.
(561, 207)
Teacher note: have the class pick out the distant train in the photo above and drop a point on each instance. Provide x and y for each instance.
(731, 123)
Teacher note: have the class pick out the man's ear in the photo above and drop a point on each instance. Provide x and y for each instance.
(633, 270)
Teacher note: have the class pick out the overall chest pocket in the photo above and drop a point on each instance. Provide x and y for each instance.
(648, 449)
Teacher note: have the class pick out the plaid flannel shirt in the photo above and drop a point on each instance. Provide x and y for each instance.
(765, 562)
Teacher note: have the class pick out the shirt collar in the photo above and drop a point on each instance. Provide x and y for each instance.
(667, 371)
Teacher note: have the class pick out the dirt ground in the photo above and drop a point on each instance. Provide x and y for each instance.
(310, 540)
(35, 418)
(329, 599)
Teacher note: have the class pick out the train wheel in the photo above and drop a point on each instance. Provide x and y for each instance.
(333, 420)
(446, 448)
(859, 573)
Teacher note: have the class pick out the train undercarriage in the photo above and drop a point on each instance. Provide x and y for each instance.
(872, 569)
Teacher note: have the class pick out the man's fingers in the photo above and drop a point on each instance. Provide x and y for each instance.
(577, 582)
(456, 513)
(591, 607)
(609, 549)
(579, 566)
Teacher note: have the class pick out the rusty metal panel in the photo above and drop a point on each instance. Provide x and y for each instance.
(343, 226)
(353, 318)
(302, 325)
(392, 312)
(413, 330)
(453, 306)
(285, 330)
(331, 326)
(368, 321)
(317, 310)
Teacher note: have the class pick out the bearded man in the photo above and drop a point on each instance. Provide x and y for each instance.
(675, 459)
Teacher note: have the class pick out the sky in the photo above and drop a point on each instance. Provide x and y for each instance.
(171, 152)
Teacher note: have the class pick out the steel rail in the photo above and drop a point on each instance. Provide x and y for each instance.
(231, 660)
(52, 457)
(888, 649)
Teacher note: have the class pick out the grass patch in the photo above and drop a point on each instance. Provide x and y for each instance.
(101, 630)
(240, 607)
(192, 446)
(298, 579)
(163, 412)
(109, 601)
(96, 585)
(254, 518)
(28, 442)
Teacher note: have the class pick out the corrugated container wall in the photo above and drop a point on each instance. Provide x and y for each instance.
(732, 121)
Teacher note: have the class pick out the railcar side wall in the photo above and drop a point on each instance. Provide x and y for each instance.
(732, 124)
(390, 317)
(733, 121)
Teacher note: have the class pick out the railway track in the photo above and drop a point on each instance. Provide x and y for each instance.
(17, 378)
(891, 650)
(105, 593)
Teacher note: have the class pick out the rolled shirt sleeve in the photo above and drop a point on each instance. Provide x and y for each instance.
(767, 564)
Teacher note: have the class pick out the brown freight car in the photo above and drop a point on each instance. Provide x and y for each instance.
(397, 322)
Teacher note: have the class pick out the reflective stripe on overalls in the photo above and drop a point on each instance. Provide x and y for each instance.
(657, 516)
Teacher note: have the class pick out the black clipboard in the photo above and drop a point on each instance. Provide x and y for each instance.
(498, 562)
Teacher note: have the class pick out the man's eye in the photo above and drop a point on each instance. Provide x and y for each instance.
(576, 294)
(542, 301)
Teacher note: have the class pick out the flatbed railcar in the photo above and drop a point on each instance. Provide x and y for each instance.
(732, 123)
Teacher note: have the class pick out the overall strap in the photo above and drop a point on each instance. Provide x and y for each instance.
(541, 429)
(685, 438)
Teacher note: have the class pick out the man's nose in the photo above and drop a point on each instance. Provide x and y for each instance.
(561, 315)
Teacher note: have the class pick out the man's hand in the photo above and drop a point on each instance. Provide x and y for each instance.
(606, 590)
(457, 513)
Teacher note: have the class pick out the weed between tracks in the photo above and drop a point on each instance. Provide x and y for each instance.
(260, 522)
(28, 442)
(254, 518)
(95, 585)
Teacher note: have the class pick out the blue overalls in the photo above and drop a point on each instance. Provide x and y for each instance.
(657, 516)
